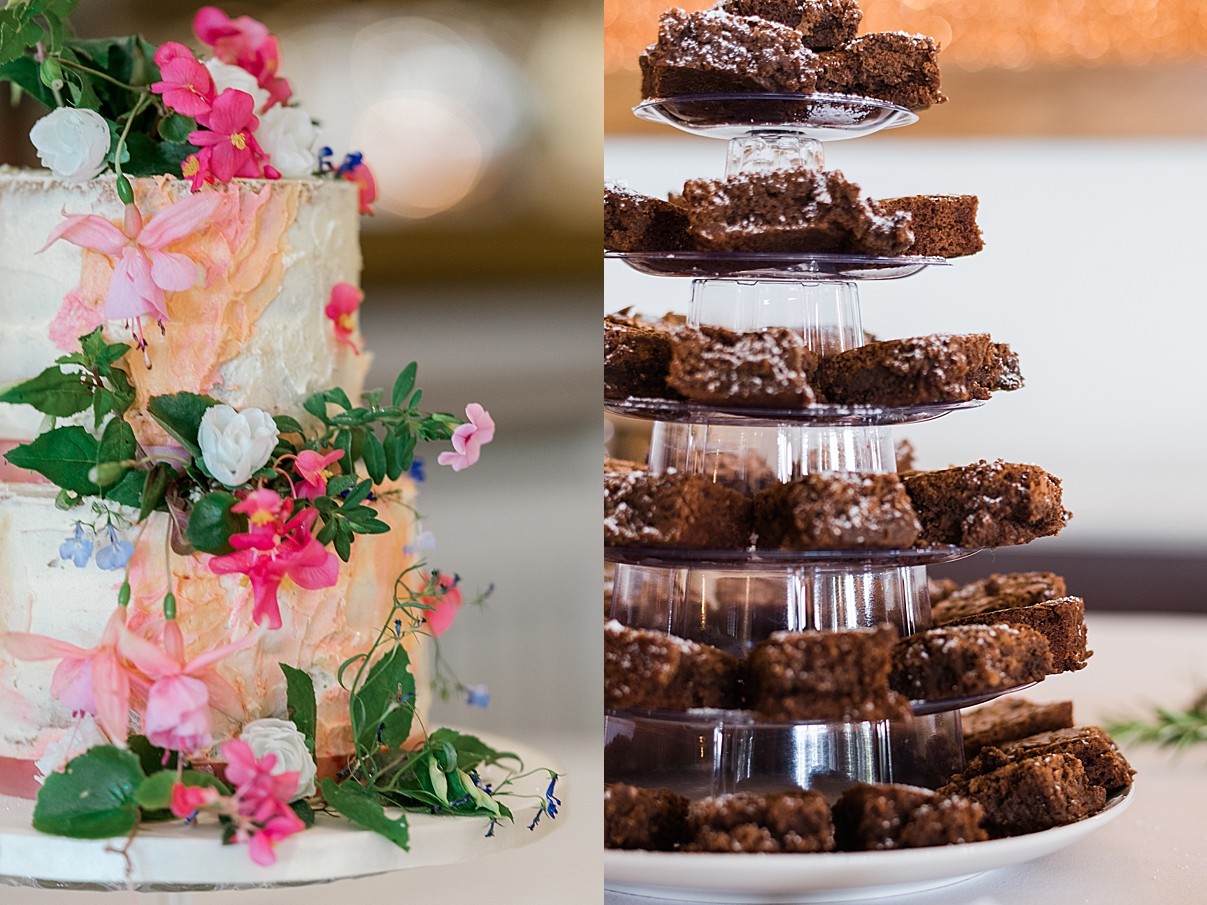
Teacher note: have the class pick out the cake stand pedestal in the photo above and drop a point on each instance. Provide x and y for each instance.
(178, 859)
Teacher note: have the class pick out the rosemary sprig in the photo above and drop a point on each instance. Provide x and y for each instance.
(1177, 729)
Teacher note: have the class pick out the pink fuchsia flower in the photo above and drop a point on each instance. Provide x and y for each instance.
(94, 681)
(229, 147)
(345, 300)
(444, 606)
(354, 169)
(469, 438)
(144, 271)
(246, 43)
(187, 86)
(314, 471)
(267, 557)
(188, 800)
(178, 714)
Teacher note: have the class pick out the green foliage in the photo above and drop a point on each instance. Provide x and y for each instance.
(153, 493)
(364, 808)
(151, 757)
(155, 792)
(53, 392)
(383, 705)
(94, 798)
(1177, 729)
(180, 415)
(299, 697)
(471, 751)
(212, 522)
(64, 455)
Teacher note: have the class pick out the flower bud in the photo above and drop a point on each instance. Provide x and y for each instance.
(72, 143)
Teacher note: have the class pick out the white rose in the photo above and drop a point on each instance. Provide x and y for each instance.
(282, 738)
(227, 76)
(290, 139)
(72, 143)
(75, 741)
(234, 444)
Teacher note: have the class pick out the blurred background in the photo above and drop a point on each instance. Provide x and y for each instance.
(483, 124)
(1082, 127)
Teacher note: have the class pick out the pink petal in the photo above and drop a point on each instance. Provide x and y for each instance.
(179, 220)
(232, 112)
(211, 24)
(260, 849)
(25, 646)
(240, 561)
(459, 461)
(441, 618)
(345, 298)
(318, 569)
(172, 271)
(213, 656)
(482, 422)
(132, 291)
(223, 696)
(147, 656)
(71, 685)
(111, 688)
(264, 586)
(240, 761)
(88, 231)
(171, 50)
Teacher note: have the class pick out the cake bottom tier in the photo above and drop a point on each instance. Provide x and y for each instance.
(703, 753)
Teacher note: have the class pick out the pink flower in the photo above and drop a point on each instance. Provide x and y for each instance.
(345, 299)
(363, 177)
(262, 508)
(178, 705)
(469, 438)
(263, 815)
(187, 800)
(228, 148)
(144, 270)
(196, 169)
(186, 86)
(246, 43)
(267, 557)
(313, 469)
(445, 606)
(94, 681)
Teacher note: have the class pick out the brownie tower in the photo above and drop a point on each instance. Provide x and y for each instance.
(775, 663)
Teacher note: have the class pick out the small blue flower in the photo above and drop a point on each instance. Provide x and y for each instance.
(425, 541)
(490, 832)
(416, 471)
(351, 161)
(478, 696)
(116, 555)
(77, 549)
(325, 165)
(552, 802)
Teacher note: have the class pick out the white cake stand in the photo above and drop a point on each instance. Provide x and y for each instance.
(175, 858)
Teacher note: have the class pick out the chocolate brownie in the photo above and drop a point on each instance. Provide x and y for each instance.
(874, 817)
(939, 589)
(674, 510)
(635, 222)
(1031, 795)
(609, 585)
(656, 671)
(823, 24)
(654, 819)
(621, 466)
(903, 452)
(920, 370)
(770, 367)
(791, 211)
(944, 226)
(965, 660)
(1009, 719)
(888, 65)
(747, 472)
(999, 592)
(637, 355)
(713, 51)
(986, 504)
(835, 511)
(1104, 765)
(1061, 621)
(840, 675)
(748, 822)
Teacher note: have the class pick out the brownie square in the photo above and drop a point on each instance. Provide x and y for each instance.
(875, 817)
(1009, 719)
(1032, 795)
(944, 226)
(635, 222)
(839, 675)
(919, 371)
(939, 589)
(964, 660)
(771, 367)
(998, 592)
(903, 452)
(712, 51)
(891, 66)
(822, 23)
(748, 822)
(621, 466)
(637, 356)
(986, 504)
(656, 671)
(833, 511)
(1103, 763)
(1061, 621)
(791, 211)
(653, 819)
(747, 472)
(674, 510)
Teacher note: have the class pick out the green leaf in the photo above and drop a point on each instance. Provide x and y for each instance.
(24, 72)
(128, 491)
(180, 415)
(339, 397)
(155, 489)
(360, 806)
(340, 483)
(394, 451)
(383, 707)
(176, 127)
(52, 393)
(287, 425)
(93, 798)
(65, 455)
(155, 158)
(150, 756)
(471, 750)
(123, 390)
(155, 792)
(375, 457)
(212, 523)
(317, 406)
(404, 383)
(369, 526)
(299, 695)
(358, 495)
(343, 440)
(304, 812)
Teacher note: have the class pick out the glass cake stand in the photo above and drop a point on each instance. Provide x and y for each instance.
(821, 414)
(767, 265)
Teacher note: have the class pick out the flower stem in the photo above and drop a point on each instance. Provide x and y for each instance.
(124, 191)
(101, 75)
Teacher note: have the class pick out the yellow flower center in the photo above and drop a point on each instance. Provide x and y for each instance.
(325, 474)
(260, 517)
(345, 321)
(286, 583)
(239, 140)
(191, 165)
